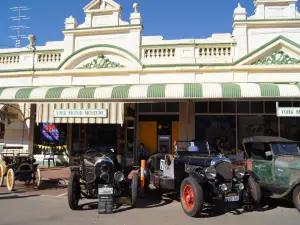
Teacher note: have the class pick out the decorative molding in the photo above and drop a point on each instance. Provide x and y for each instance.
(100, 62)
(278, 57)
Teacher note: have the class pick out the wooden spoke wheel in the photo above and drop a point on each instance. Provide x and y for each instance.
(2, 172)
(10, 180)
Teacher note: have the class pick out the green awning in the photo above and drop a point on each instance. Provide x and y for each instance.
(151, 92)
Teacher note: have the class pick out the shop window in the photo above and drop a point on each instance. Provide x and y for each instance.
(158, 107)
(173, 107)
(218, 131)
(296, 104)
(144, 107)
(257, 107)
(215, 107)
(285, 104)
(201, 107)
(270, 107)
(243, 107)
(229, 107)
(289, 128)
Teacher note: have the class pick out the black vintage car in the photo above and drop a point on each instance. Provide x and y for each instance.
(20, 167)
(201, 177)
(98, 172)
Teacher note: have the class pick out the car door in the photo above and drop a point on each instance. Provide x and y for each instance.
(262, 164)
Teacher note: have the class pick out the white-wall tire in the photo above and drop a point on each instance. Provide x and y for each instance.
(10, 180)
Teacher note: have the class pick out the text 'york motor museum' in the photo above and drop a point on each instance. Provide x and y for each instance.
(107, 85)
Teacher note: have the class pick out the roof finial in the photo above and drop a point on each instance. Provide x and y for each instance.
(135, 6)
(239, 5)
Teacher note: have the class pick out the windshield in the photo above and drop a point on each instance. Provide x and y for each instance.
(191, 146)
(285, 149)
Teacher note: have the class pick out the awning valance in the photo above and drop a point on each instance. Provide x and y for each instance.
(148, 92)
(115, 113)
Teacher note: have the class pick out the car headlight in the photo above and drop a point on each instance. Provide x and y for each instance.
(239, 172)
(119, 176)
(210, 173)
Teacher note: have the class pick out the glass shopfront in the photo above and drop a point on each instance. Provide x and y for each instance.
(229, 122)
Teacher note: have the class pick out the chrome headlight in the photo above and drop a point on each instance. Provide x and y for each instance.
(210, 173)
(239, 172)
(119, 176)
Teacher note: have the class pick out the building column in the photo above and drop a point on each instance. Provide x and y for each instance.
(186, 120)
(31, 128)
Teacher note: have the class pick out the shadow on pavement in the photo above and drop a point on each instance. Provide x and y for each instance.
(16, 197)
(53, 184)
(152, 200)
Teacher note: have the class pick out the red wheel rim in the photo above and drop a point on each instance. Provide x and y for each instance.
(188, 197)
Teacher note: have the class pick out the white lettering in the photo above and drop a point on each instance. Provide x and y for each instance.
(94, 113)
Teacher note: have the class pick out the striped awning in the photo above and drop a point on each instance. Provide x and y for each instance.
(115, 113)
(148, 92)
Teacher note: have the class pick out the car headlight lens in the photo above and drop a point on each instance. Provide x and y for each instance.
(210, 173)
(239, 172)
(223, 187)
(119, 176)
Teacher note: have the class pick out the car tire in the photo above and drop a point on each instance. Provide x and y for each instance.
(134, 189)
(255, 190)
(2, 172)
(73, 191)
(296, 197)
(191, 197)
(10, 180)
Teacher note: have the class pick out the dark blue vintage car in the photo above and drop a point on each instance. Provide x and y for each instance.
(201, 177)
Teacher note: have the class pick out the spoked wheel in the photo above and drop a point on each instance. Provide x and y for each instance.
(296, 197)
(73, 191)
(1, 175)
(10, 180)
(134, 189)
(37, 178)
(191, 197)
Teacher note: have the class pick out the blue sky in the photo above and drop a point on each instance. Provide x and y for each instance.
(172, 19)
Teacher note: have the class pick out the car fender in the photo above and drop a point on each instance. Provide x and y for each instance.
(196, 176)
(147, 173)
(249, 173)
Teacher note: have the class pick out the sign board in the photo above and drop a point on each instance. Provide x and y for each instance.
(80, 113)
(288, 111)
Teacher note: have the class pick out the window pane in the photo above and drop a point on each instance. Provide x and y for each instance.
(215, 107)
(257, 107)
(229, 107)
(201, 107)
(145, 107)
(270, 107)
(173, 107)
(285, 104)
(243, 107)
(159, 107)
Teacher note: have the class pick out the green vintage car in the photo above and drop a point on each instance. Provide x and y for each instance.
(275, 163)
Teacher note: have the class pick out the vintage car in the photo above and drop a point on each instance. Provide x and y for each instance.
(275, 162)
(20, 167)
(98, 172)
(201, 177)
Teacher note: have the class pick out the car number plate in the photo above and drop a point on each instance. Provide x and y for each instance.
(105, 191)
(162, 164)
(232, 198)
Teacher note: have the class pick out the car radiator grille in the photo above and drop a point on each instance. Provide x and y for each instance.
(224, 170)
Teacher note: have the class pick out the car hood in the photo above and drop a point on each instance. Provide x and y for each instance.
(197, 160)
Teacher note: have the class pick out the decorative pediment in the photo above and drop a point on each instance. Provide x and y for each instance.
(276, 58)
(102, 5)
(100, 62)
